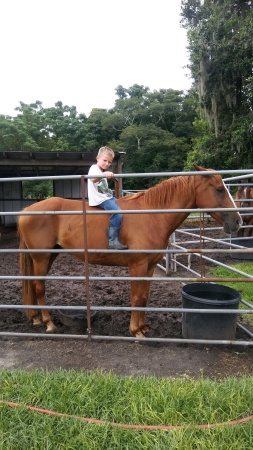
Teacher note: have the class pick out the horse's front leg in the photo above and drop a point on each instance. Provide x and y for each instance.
(139, 295)
(142, 324)
(139, 298)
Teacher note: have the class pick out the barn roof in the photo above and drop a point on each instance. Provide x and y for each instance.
(31, 164)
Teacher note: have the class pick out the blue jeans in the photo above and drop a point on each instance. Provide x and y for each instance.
(115, 219)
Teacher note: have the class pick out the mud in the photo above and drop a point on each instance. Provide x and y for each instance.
(126, 358)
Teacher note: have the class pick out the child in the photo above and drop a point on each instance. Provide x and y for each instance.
(100, 195)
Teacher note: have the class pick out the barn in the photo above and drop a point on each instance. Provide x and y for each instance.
(17, 166)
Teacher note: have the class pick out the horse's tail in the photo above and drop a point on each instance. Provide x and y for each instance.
(26, 269)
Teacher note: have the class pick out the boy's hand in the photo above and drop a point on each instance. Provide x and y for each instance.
(109, 174)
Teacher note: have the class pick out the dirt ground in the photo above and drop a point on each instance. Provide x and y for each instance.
(119, 357)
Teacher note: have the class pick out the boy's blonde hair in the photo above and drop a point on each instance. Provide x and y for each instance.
(106, 150)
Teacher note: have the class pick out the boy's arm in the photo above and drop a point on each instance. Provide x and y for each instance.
(106, 174)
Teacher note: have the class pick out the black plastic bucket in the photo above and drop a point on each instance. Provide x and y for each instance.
(248, 243)
(209, 326)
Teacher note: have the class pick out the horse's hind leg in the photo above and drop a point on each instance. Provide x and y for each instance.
(42, 266)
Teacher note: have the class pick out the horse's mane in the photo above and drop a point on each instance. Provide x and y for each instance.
(244, 193)
(240, 190)
(163, 191)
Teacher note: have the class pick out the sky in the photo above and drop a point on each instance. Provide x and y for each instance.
(79, 51)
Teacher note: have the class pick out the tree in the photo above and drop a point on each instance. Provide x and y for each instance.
(11, 137)
(154, 129)
(63, 128)
(96, 132)
(150, 149)
(221, 53)
(38, 189)
(36, 128)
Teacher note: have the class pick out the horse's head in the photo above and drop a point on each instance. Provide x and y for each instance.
(211, 192)
(244, 195)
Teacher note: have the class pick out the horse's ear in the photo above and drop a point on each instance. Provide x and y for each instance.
(198, 168)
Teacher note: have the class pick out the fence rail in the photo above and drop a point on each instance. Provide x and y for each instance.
(176, 248)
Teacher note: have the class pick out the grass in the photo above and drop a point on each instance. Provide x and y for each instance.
(129, 400)
(245, 289)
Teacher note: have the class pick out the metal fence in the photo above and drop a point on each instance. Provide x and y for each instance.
(171, 263)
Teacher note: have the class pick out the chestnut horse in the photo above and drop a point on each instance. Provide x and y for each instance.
(245, 195)
(147, 231)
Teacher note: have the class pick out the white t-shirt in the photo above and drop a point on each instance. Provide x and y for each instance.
(98, 192)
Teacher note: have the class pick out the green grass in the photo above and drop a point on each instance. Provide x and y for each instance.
(129, 400)
(245, 288)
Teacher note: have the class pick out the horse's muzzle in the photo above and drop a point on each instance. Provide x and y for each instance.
(232, 226)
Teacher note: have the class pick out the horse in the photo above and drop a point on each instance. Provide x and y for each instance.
(141, 231)
(245, 195)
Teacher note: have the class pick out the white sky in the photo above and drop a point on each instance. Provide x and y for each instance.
(79, 51)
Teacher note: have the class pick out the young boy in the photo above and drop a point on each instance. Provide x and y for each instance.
(100, 195)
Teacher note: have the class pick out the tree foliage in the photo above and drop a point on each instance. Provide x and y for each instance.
(164, 130)
(221, 56)
(154, 129)
(43, 129)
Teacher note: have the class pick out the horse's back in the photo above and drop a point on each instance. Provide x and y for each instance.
(49, 204)
(55, 204)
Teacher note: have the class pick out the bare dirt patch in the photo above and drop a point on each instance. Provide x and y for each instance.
(127, 358)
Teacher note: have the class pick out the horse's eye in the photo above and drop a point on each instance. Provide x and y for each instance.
(220, 189)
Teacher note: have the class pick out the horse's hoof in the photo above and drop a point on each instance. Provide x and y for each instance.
(51, 328)
(145, 329)
(137, 334)
(140, 335)
(36, 321)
